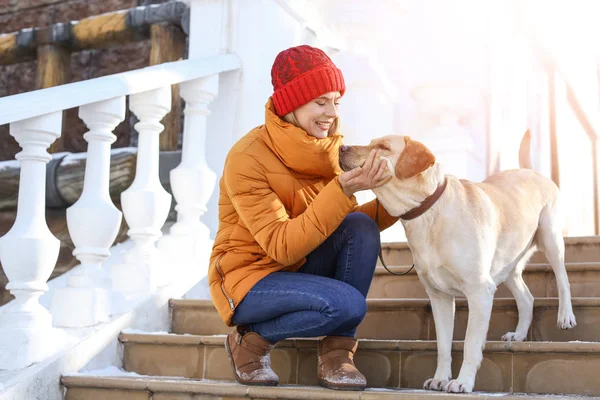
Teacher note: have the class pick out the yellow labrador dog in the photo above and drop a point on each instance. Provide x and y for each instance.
(466, 238)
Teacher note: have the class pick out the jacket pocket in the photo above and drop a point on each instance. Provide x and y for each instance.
(222, 275)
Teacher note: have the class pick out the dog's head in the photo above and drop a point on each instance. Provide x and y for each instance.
(408, 157)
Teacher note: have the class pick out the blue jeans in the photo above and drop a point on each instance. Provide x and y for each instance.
(327, 296)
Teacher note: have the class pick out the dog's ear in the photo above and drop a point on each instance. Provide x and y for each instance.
(415, 159)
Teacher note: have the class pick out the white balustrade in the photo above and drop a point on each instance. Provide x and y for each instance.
(29, 251)
(192, 181)
(145, 203)
(93, 223)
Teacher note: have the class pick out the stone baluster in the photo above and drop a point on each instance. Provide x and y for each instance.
(29, 251)
(145, 203)
(93, 223)
(192, 181)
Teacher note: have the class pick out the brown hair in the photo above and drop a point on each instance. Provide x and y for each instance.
(291, 118)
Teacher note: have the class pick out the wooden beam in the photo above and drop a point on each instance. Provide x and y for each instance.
(102, 31)
(596, 153)
(585, 122)
(168, 44)
(99, 31)
(9, 48)
(580, 113)
(554, 164)
(11, 52)
(596, 175)
(53, 69)
(53, 66)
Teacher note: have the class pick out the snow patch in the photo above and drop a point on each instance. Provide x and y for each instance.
(131, 331)
(9, 164)
(263, 374)
(73, 158)
(108, 371)
(69, 158)
(116, 372)
(345, 379)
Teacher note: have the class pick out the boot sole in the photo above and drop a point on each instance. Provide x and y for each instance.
(348, 388)
(237, 378)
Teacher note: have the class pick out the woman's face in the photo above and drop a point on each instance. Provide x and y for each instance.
(316, 116)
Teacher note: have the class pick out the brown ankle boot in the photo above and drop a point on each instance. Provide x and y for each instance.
(250, 359)
(336, 368)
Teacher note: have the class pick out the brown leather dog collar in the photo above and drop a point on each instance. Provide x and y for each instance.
(426, 204)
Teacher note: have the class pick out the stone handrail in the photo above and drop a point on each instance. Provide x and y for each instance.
(58, 98)
(28, 252)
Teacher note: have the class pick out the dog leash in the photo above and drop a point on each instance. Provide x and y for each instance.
(380, 251)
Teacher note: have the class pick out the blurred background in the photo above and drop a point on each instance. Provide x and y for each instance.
(466, 77)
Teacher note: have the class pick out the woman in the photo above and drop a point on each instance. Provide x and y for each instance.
(294, 255)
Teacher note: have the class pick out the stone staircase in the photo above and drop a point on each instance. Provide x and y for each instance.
(397, 352)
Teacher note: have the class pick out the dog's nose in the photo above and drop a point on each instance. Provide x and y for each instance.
(344, 148)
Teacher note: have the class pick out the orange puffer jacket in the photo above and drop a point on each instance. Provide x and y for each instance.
(279, 200)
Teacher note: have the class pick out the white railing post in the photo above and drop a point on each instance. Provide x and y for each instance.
(93, 223)
(145, 203)
(192, 181)
(208, 27)
(29, 251)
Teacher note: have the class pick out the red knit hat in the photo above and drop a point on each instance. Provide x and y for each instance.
(301, 74)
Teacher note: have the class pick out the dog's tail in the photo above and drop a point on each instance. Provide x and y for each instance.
(525, 151)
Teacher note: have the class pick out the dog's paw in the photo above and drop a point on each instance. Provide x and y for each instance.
(566, 320)
(456, 386)
(514, 337)
(435, 384)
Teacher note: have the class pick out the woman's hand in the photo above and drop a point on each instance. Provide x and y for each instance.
(371, 175)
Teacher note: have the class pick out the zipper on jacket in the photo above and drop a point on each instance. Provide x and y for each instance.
(229, 299)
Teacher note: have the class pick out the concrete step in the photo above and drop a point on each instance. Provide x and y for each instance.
(577, 249)
(412, 319)
(160, 388)
(531, 367)
(584, 278)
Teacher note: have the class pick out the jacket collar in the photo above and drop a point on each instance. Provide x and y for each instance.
(306, 156)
